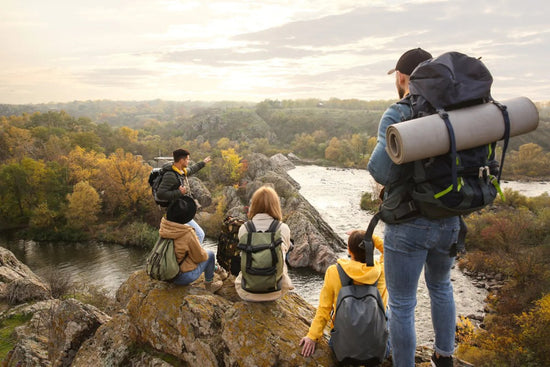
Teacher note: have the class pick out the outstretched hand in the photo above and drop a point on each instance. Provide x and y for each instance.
(309, 346)
(207, 159)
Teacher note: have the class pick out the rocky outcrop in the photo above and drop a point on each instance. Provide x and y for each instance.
(200, 192)
(18, 283)
(194, 327)
(161, 324)
(54, 334)
(315, 243)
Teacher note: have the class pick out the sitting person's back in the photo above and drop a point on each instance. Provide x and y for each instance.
(359, 272)
(192, 258)
(265, 211)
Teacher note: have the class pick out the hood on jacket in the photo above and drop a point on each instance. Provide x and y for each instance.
(174, 230)
(360, 272)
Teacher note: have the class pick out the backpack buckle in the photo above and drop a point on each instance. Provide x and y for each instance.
(484, 173)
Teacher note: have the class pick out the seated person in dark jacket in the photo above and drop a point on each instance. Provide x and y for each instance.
(175, 185)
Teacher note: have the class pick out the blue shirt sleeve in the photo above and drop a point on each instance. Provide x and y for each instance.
(380, 165)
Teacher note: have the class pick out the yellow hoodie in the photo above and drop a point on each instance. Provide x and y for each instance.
(360, 273)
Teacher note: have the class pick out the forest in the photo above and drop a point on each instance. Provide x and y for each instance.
(78, 171)
(67, 169)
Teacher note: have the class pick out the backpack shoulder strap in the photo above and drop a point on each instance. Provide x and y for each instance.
(274, 226)
(367, 243)
(250, 227)
(344, 278)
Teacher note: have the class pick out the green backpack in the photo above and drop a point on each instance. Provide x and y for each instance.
(261, 258)
(161, 261)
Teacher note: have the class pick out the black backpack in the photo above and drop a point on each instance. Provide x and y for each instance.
(155, 178)
(360, 332)
(227, 254)
(458, 182)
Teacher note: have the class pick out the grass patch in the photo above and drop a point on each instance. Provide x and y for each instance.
(7, 326)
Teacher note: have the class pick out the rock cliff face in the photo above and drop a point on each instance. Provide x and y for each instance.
(316, 244)
(18, 283)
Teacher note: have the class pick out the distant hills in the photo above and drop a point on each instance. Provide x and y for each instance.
(277, 120)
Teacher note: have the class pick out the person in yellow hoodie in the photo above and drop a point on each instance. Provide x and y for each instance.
(357, 270)
(193, 259)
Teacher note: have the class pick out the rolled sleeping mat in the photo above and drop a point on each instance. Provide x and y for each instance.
(427, 136)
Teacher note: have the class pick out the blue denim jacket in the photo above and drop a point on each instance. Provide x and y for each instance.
(380, 166)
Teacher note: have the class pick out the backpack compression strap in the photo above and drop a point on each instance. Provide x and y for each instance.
(445, 116)
(506, 136)
(367, 243)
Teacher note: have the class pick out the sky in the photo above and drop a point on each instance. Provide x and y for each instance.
(244, 50)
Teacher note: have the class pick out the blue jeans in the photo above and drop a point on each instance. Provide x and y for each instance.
(206, 266)
(408, 248)
(198, 230)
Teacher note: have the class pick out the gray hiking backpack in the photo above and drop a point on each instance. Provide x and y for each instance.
(261, 258)
(360, 332)
(161, 262)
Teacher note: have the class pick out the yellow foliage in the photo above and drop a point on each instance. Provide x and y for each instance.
(123, 181)
(84, 204)
(130, 134)
(232, 164)
(85, 166)
(42, 216)
(465, 330)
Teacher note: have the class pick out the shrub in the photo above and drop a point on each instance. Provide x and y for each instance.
(60, 283)
(134, 234)
(370, 202)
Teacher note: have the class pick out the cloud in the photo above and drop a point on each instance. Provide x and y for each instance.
(299, 48)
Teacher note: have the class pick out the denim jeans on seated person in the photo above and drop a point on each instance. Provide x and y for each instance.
(206, 267)
(408, 248)
(198, 230)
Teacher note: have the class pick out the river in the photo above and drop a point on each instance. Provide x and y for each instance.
(334, 192)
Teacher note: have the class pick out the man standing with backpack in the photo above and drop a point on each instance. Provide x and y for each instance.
(414, 244)
(174, 183)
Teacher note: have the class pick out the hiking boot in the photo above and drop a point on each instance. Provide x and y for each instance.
(441, 361)
(222, 273)
(213, 286)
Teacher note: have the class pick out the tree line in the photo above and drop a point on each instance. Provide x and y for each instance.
(50, 161)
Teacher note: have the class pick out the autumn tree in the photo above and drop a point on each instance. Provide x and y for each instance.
(232, 166)
(84, 166)
(123, 181)
(24, 185)
(84, 205)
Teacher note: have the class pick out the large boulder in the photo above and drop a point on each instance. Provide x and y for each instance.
(54, 334)
(200, 328)
(200, 191)
(71, 324)
(18, 284)
(31, 338)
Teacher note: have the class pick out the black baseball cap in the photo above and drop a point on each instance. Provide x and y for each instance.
(410, 60)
